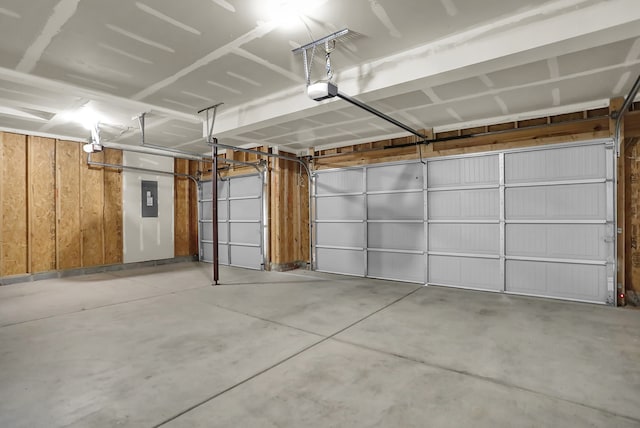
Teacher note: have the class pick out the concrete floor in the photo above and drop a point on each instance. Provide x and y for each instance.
(160, 347)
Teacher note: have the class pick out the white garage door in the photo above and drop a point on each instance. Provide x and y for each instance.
(463, 205)
(536, 222)
(370, 222)
(240, 220)
(559, 213)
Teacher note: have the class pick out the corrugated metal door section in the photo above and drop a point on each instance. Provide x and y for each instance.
(395, 222)
(536, 221)
(239, 222)
(559, 223)
(463, 205)
(370, 222)
(340, 222)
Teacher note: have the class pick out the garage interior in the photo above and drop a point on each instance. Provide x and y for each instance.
(319, 213)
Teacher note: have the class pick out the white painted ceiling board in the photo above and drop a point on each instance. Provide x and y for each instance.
(164, 53)
(520, 75)
(599, 57)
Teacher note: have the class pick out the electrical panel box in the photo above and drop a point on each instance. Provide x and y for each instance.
(149, 198)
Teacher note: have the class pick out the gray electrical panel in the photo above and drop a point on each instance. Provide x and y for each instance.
(149, 198)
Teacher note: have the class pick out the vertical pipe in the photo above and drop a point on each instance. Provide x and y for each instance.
(365, 223)
(264, 176)
(214, 217)
(199, 202)
(502, 226)
(425, 217)
(312, 238)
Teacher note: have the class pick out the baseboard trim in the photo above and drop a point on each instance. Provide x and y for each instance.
(17, 279)
(283, 267)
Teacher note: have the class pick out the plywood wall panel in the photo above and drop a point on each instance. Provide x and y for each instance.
(14, 205)
(69, 239)
(42, 204)
(92, 211)
(113, 244)
(181, 209)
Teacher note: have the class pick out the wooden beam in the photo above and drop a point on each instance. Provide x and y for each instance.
(436, 150)
(526, 134)
(193, 209)
(632, 223)
(632, 124)
(181, 209)
(614, 106)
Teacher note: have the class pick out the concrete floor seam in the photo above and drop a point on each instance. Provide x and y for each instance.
(270, 321)
(279, 363)
(102, 306)
(257, 284)
(486, 379)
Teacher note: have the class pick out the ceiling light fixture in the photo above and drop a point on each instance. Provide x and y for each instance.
(288, 12)
(94, 144)
(85, 116)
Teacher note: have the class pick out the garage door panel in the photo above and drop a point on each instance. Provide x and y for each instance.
(248, 257)
(340, 234)
(567, 281)
(223, 189)
(245, 233)
(394, 177)
(348, 262)
(482, 274)
(571, 163)
(336, 182)
(465, 238)
(395, 206)
(245, 209)
(239, 221)
(206, 210)
(243, 187)
(470, 171)
(563, 202)
(396, 236)
(207, 231)
(340, 208)
(402, 267)
(223, 253)
(464, 204)
(562, 241)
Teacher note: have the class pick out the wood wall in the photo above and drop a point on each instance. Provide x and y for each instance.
(579, 126)
(288, 215)
(632, 250)
(57, 213)
(186, 208)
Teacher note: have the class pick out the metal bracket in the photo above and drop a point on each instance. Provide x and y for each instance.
(325, 42)
(210, 120)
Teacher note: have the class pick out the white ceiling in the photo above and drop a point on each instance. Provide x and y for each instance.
(429, 63)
